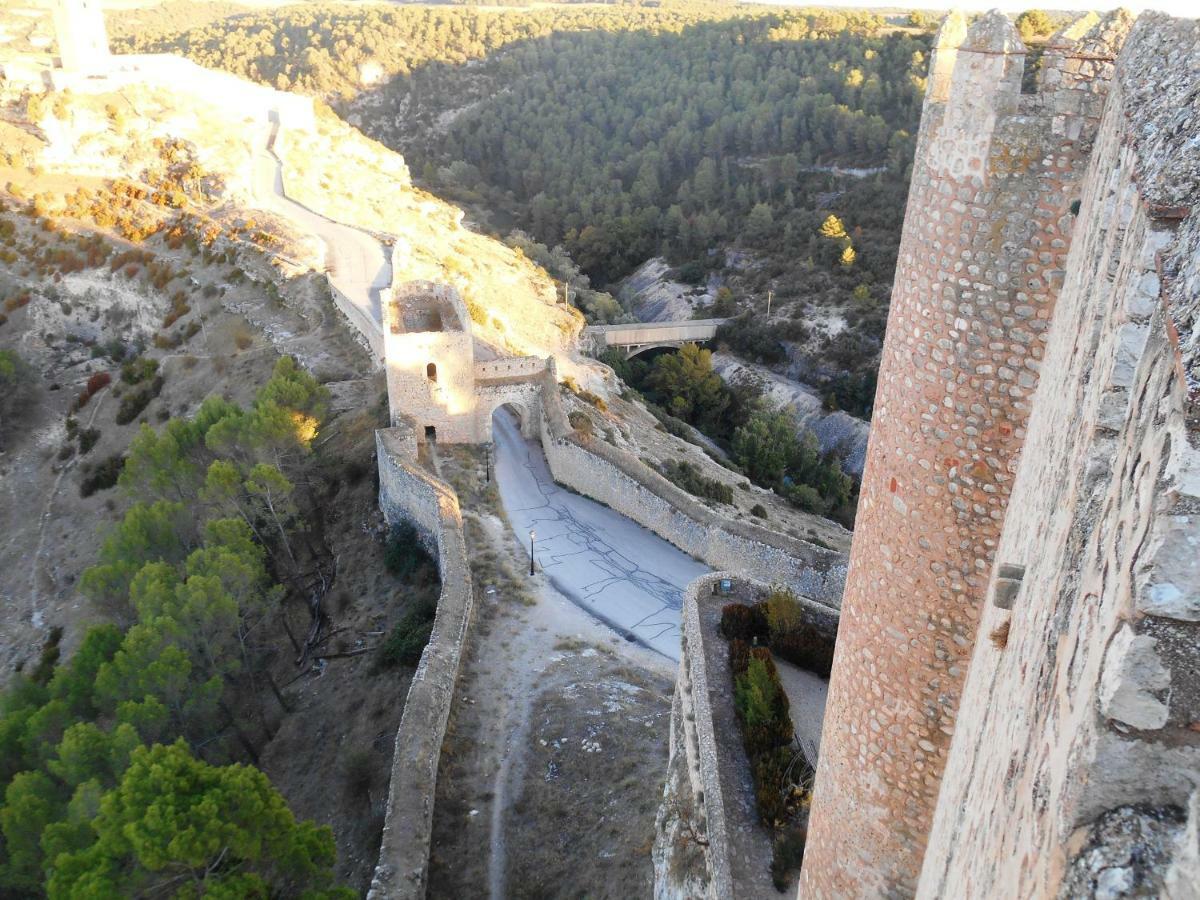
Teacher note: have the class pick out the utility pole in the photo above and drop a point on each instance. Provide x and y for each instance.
(487, 462)
(770, 294)
(532, 535)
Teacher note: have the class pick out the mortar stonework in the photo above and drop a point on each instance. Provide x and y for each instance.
(981, 261)
(1090, 704)
(1017, 663)
(408, 493)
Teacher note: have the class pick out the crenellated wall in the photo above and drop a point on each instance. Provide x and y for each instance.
(986, 236)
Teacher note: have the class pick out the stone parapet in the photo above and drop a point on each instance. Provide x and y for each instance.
(621, 481)
(408, 493)
(709, 841)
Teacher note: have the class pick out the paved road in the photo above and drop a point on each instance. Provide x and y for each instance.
(620, 572)
(359, 265)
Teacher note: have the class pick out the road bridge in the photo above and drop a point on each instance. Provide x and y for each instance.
(636, 337)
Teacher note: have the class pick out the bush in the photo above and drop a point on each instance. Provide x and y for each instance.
(139, 370)
(739, 656)
(787, 854)
(98, 382)
(594, 399)
(762, 704)
(769, 771)
(582, 423)
(404, 555)
(687, 476)
(806, 647)
(102, 475)
(87, 439)
(407, 641)
(133, 403)
(758, 511)
(742, 622)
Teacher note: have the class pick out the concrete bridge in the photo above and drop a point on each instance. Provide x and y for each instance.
(636, 337)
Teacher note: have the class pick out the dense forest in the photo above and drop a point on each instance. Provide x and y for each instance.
(598, 137)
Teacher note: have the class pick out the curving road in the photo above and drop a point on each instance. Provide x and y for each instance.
(623, 574)
(358, 264)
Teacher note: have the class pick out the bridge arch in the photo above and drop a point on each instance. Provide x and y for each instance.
(633, 350)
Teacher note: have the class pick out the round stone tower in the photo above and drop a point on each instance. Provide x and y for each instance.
(985, 239)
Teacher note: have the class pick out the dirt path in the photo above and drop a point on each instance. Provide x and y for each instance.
(36, 615)
(544, 685)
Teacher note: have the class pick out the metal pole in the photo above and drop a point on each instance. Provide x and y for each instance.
(769, 295)
(531, 537)
(487, 462)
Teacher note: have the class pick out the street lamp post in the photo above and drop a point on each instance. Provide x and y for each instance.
(532, 536)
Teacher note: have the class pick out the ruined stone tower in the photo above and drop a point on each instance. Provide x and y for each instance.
(991, 208)
(82, 38)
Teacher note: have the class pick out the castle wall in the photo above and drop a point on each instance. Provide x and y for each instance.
(709, 792)
(621, 481)
(985, 241)
(1087, 699)
(408, 493)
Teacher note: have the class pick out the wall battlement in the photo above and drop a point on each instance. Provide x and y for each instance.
(1003, 185)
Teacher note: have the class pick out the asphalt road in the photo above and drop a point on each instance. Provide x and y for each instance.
(628, 577)
(359, 265)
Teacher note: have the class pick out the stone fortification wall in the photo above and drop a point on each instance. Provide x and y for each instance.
(1087, 698)
(430, 360)
(621, 481)
(985, 241)
(693, 807)
(709, 795)
(368, 331)
(235, 95)
(408, 493)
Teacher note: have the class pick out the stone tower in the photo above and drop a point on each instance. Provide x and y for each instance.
(82, 39)
(986, 234)
(430, 359)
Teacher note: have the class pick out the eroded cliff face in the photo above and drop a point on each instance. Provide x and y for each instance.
(147, 121)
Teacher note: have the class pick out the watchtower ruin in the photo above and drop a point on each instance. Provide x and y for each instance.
(82, 38)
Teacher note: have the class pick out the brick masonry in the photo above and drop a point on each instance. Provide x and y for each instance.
(999, 287)
(985, 239)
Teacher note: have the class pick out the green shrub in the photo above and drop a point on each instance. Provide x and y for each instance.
(139, 370)
(742, 622)
(758, 511)
(404, 554)
(133, 403)
(407, 641)
(687, 476)
(102, 475)
(807, 647)
(762, 704)
(87, 439)
(769, 771)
